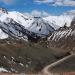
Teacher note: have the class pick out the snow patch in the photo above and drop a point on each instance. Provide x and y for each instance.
(3, 70)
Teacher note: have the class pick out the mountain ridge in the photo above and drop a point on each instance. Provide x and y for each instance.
(64, 37)
(34, 27)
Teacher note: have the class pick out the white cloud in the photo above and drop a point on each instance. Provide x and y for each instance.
(57, 2)
(37, 13)
(7, 1)
(69, 2)
(71, 12)
(45, 14)
(43, 1)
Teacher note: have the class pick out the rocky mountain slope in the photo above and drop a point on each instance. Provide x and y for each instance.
(15, 24)
(60, 20)
(64, 37)
(18, 56)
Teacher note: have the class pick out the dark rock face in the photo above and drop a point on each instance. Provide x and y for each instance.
(15, 30)
(3, 10)
(64, 37)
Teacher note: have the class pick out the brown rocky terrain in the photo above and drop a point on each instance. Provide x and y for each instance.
(63, 38)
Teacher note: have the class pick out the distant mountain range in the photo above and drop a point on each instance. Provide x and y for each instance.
(17, 25)
(48, 33)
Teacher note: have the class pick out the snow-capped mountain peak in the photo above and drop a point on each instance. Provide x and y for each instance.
(19, 25)
(2, 10)
(59, 21)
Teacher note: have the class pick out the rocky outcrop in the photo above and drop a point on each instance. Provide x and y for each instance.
(64, 37)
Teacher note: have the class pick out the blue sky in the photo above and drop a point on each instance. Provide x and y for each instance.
(55, 7)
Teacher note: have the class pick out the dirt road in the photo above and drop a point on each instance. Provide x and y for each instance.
(46, 69)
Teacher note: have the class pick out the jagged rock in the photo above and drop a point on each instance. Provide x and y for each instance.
(64, 37)
(17, 25)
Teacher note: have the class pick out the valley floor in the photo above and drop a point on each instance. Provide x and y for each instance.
(26, 57)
